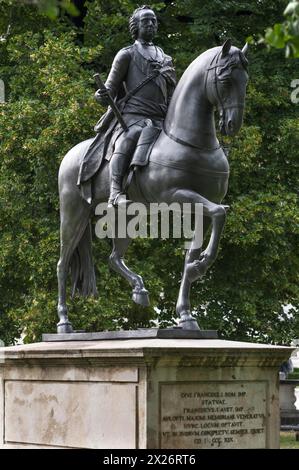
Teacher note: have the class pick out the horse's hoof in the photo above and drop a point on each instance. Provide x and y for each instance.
(189, 324)
(64, 327)
(140, 297)
(196, 269)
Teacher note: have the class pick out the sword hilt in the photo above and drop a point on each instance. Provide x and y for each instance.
(102, 87)
(99, 82)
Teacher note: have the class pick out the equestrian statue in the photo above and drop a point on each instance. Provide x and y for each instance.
(156, 143)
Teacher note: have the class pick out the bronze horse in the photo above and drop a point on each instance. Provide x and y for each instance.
(186, 164)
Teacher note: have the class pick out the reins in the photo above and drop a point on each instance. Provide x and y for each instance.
(223, 108)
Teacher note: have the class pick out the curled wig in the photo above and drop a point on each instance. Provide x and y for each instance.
(133, 23)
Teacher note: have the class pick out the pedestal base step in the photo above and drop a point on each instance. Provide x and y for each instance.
(141, 333)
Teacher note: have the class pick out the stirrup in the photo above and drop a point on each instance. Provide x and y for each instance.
(120, 200)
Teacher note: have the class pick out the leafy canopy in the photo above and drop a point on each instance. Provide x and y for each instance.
(47, 67)
(286, 34)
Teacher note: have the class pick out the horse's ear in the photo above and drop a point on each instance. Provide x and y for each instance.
(245, 49)
(226, 47)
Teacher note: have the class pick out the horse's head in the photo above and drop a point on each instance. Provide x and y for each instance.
(227, 78)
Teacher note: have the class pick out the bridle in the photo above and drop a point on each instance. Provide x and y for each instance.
(222, 107)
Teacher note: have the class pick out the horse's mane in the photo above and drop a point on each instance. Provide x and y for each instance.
(209, 58)
(235, 57)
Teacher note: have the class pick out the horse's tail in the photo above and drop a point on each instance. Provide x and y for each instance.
(82, 267)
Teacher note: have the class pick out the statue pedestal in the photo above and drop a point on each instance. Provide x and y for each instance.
(140, 393)
(288, 413)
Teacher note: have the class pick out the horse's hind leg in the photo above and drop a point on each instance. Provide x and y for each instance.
(75, 215)
(116, 262)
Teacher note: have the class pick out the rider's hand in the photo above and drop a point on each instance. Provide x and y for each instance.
(102, 96)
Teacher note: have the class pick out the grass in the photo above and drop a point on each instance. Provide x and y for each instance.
(288, 440)
(294, 375)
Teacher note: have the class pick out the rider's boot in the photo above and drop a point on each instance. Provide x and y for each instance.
(118, 165)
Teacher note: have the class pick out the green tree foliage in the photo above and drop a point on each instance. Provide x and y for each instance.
(47, 67)
(52, 8)
(286, 34)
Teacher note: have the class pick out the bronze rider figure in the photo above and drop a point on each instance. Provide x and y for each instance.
(146, 75)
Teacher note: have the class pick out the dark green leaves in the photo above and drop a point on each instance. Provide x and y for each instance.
(47, 68)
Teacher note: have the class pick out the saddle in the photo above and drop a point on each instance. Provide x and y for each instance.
(146, 141)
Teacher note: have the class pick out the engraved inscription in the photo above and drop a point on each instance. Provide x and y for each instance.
(207, 415)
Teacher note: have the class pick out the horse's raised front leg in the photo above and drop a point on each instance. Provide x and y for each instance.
(197, 262)
(116, 262)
